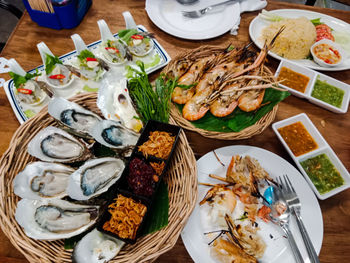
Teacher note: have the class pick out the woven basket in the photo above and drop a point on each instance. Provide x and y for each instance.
(181, 180)
(248, 132)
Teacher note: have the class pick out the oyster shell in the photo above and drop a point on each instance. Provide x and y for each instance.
(96, 247)
(55, 145)
(73, 116)
(54, 219)
(42, 180)
(113, 134)
(115, 103)
(94, 178)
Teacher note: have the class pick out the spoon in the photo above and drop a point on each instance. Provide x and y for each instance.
(280, 215)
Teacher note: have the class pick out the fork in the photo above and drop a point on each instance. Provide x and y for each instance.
(203, 11)
(293, 202)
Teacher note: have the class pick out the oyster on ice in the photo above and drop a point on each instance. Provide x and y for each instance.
(54, 219)
(96, 247)
(55, 145)
(42, 180)
(94, 178)
(113, 134)
(115, 103)
(73, 116)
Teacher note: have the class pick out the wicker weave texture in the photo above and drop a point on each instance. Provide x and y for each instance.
(181, 180)
(248, 132)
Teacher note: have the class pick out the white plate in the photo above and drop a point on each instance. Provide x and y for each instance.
(257, 25)
(277, 249)
(166, 14)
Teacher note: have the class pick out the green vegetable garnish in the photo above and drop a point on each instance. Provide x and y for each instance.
(50, 63)
(126, 34)
(18, 79)
(154, 62)
(153, 103)
(187, 86)
(89, 89)
(316, 21)
(243, 217)
(85, 54)
(29, 113)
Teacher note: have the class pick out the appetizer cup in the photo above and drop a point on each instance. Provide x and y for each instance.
(326, 53)
(44, 51)
(109, 53)
(35, 88)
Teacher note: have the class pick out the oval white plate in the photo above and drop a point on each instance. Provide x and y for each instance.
(166, 14)
(277, 249)
(257, 25)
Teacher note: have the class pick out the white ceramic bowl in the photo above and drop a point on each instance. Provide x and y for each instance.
(334, 46)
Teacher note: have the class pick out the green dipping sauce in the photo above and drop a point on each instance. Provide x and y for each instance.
(328, 93)
(322, 173)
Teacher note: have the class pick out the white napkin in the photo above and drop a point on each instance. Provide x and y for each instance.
(247, 6)
(4, 68)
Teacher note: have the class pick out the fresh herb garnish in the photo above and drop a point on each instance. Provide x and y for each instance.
(50, 63)
(186, 86)
(85, 54)
(18, 79)
(153, 103)
(316, 21)
(110, 43)
(126, 34)
(243, 217)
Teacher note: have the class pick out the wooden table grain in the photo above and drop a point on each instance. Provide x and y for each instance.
(334, 127)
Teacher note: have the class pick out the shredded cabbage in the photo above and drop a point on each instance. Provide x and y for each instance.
(343, 39)
(270, 16)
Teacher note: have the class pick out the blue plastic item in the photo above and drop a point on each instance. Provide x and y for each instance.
(68, 15)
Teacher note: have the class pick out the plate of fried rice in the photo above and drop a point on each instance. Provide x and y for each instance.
(299, 35)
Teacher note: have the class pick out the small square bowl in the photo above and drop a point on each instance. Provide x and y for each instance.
(123, 182)
(309, 126)
(152, 126)
(106, 216)
(337, 164)
(302, 70)
(340, 85)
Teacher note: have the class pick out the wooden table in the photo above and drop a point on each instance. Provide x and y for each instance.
(334, 127)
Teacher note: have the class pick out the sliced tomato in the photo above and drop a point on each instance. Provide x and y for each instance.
(91, 59)
(25, 91)
(112, 48)
(137, 37)
(57, 76)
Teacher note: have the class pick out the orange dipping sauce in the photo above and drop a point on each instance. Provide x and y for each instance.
(327, 53)
(297, 138)
(293, 80)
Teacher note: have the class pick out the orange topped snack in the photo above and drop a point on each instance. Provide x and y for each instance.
(127, 215)
(298, 138)
(159, 144)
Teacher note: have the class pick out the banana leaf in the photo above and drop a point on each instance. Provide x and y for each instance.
(238, 119)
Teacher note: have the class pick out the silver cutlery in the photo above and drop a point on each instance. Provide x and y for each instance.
(289, 194)
(280, 215)
(203, 11)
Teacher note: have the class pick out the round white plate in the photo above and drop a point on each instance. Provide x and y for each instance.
(257, 25)
(277, 249)
(166, 14)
